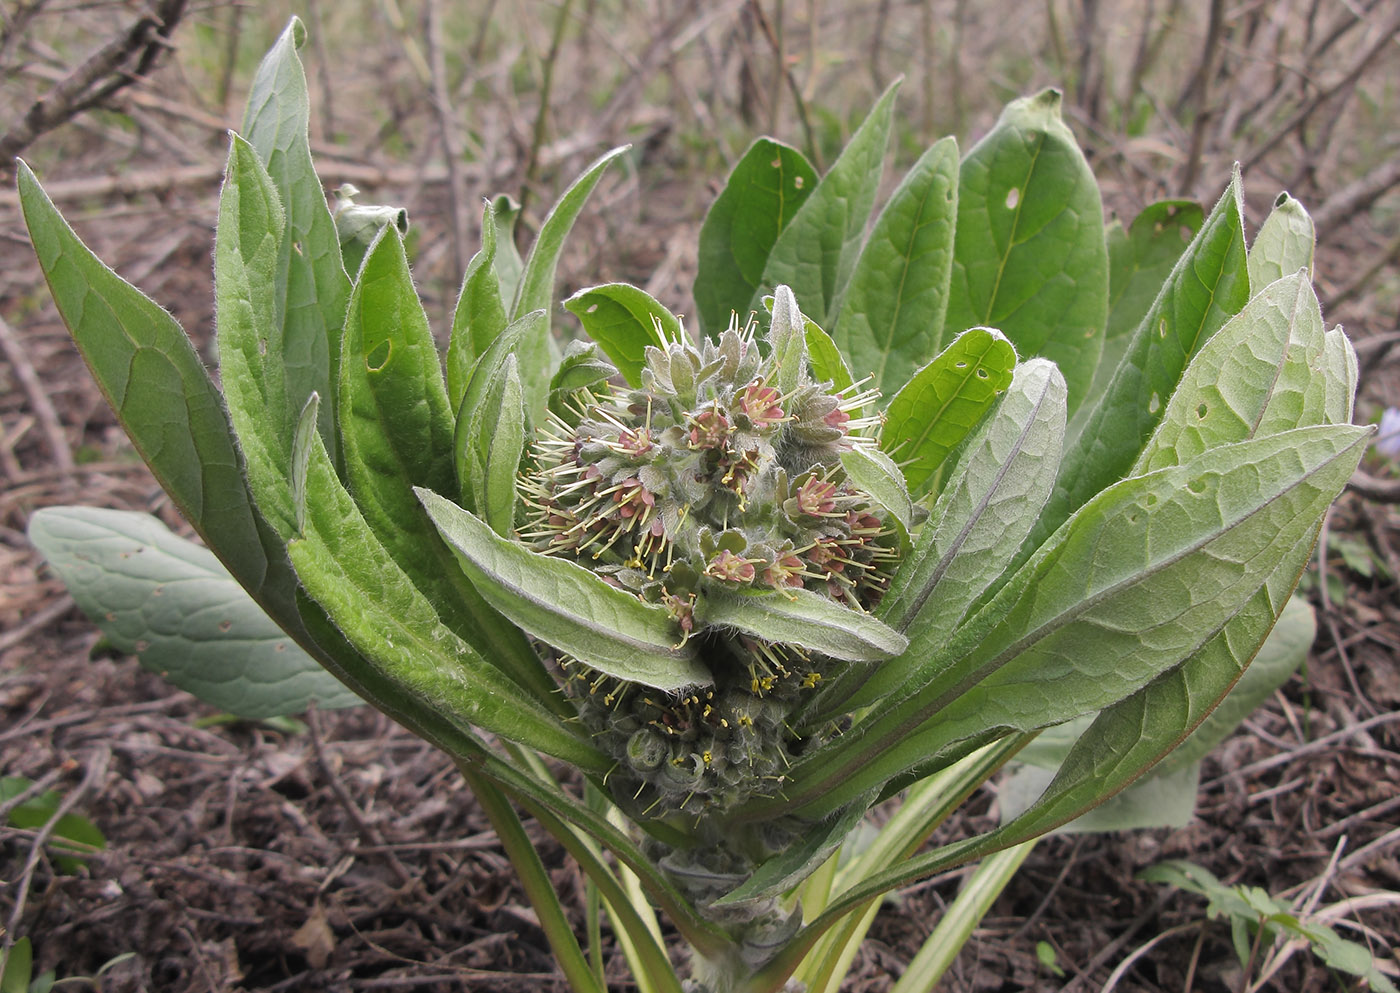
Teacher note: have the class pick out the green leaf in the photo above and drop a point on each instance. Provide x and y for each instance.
(943, 402)
(1260, 374)
(1139, 262)
(167, 403)
(301, 457)
(1284, 650)
(1129, 737)
(1284, 245)
(151, 375)
(581, 368)
(806, 619)
(827, 363)
(536, 290)
(989, 506)
(1339, 358)
(762, 194)
(1029, 254)
(624, 320)
(1166, 796)
(18, 967)
(1101, 610)
(420, 668)
(891, 320)
(480, 315)
(311, 287)
(1208, 285)
(496, 451)
(787, 337)
(795, 863)
(357, 225)
(816, 252)
(397, 433)
(72, 837)
(565, 605)
(171, 604)
(250, 335)
(475, 415)
(875, 473)
(509, 265)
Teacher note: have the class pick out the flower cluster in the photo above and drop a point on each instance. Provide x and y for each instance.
(708, 478)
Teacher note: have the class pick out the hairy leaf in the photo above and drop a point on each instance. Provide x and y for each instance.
(417, 662)
(891, 320)
(1139, 262)
(249, 333)
(170, 603)
(565, 605)
(816, 252)
(1101, 611)
(806, 619)
(1260, 374)
(151, 375)
(1207, 286)
(978, 523)
(1284, 245)
(763, 192)
(480, 314)
(1029, 254)
(311, 288)
(932, 414)
(624, 320)
(536, 289)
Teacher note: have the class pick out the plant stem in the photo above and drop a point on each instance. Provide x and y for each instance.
(535, 880)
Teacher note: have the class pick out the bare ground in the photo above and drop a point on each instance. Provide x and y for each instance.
(346, 855)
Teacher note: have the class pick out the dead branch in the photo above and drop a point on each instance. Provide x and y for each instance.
(113, 67)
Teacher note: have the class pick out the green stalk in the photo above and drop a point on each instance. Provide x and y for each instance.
(650, 958)
(822, 954)
(956, 926)
(535, 880)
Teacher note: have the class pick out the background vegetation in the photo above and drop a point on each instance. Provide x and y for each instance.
(248, 857)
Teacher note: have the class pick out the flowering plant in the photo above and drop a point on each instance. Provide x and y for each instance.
(745, 594)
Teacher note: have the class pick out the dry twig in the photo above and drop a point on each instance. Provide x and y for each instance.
(113, 67)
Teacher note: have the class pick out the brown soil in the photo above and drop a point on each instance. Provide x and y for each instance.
(348, 855)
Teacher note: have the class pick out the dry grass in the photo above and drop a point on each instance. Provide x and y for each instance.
(234, 862)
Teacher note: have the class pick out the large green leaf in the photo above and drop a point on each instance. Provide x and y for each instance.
(397, 433)
(311, 288)
(1207, 286)
(1260, 374)
(816, 252)
(169, 602)
(1284, 245)
(1166, 796)
(565, 605)
(480, 315)
(250, 337)
(151, 375)
(624, 320)
(418, 663)
(987, 509)
(1139, 262)
(1029, 257)
(942, 403)
(763, 192)
(536, 289)
(891, 320)
(1101, 610)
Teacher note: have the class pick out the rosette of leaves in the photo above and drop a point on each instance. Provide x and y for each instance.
(974, 470)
